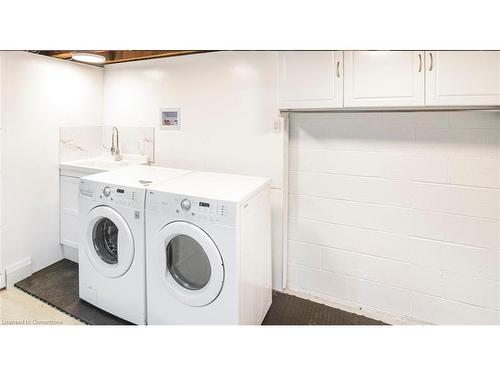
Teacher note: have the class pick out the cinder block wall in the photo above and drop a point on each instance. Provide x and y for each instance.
(397, 213)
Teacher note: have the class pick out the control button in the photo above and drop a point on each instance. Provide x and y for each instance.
(186, 204)
(106, 191)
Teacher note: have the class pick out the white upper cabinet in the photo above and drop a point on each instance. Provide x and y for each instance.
(384, 78)
(310, 79)
(462, 78)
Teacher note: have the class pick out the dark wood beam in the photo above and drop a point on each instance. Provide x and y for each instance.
(117, 56)
(122, 56)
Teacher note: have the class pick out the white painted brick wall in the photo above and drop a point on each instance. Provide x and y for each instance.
(397, 212)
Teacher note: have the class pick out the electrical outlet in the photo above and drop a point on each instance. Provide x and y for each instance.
(277, 124)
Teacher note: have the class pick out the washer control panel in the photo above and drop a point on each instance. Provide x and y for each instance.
(112, 194)
(193, 209)
(205, 210)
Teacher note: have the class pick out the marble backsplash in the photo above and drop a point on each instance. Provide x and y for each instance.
(84, 142)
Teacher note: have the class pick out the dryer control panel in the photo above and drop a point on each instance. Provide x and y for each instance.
(112, 194)
(192, 209)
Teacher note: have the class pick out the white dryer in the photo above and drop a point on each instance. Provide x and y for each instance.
(112, 239)
(208, 258)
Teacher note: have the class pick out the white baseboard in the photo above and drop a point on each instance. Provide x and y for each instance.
(369, 312)
(18, 271)
(70, 253)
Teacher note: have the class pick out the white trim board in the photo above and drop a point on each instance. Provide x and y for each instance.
(2, 278)
(284, 250)
(2, 270)
(70, 252)
(18, 271)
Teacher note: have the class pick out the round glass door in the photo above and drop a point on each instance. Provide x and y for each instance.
(105, 239)
(191, 262)
(110, 244)
(188, 263)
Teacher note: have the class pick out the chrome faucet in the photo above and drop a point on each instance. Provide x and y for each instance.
(115, 150)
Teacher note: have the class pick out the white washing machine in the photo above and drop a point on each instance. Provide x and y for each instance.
(208, 258)
(112, 239)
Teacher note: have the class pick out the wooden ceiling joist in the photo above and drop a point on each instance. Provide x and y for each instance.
(113, 57)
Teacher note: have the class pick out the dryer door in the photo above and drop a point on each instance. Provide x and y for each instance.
(191, 263)
(109, 242)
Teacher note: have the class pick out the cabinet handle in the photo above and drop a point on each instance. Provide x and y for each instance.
(338, 69)
(419, 62)
(432, 62)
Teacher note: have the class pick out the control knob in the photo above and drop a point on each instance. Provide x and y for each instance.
(186, 204)
(106, 191)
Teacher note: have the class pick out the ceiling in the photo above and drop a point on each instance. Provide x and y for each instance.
(113, 57)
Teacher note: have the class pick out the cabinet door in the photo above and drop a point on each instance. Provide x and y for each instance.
(69, 196)
(463, 78)
(310, 79)
(383, 78)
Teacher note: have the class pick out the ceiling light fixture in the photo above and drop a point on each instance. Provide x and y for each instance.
(88, 58)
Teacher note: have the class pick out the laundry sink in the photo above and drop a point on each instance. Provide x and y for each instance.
(100, 164)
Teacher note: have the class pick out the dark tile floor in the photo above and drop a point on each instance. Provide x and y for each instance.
(58, 286)
(290, 310)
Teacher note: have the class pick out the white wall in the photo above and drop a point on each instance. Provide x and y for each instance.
(39, 94)
(228, 102)
(2, 273)
(398, 214)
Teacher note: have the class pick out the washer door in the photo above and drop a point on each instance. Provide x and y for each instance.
(191, 263)
(110, 244)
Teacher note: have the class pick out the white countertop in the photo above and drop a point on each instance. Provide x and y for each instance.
(100, 164)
